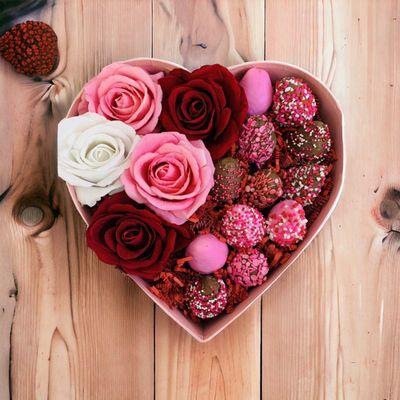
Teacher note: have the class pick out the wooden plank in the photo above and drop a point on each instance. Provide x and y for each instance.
(293, 312)
(8, 291)
(228, 367)
(330, 325)
(195, 33)
(81, 329)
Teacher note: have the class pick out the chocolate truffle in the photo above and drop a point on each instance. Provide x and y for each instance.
(293, 102)
(304, 183)
(263, 188)
(258, 88)
(257, 140)
(249, 268)
(208, 254)
(286, 223)
(243, 226)
(311, 142)
(206, 297)
(228, 179)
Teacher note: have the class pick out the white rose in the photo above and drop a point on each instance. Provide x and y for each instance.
(93, 152)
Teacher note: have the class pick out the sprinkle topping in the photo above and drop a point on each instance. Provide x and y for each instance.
(228, 178)
(304, 183)
(243, 226)
(207, 297)
(249, 268)
(263, 188)
(286, 223)
(257, 140)
(293, 102)
(311, 142)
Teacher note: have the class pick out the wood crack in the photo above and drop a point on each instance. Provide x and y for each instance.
(10, 386)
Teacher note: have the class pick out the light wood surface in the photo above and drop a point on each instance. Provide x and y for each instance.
(74, 328)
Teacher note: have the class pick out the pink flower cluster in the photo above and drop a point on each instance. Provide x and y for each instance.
(125, 93)
(167, 172)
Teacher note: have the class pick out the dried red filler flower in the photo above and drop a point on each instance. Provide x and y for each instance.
(312, 211)
(31, 48)
(203, 219)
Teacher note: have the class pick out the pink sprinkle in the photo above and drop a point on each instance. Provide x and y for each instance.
(257, 140)
(286, 223)
(310, 142)
(249, 268)
(204, 302)
(243, 226)
(304, 183)
(293, 102)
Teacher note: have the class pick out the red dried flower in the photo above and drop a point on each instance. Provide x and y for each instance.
(31, 48)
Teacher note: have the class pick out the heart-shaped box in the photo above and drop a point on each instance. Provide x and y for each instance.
(331, 114)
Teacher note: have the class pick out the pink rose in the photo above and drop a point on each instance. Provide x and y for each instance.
(125, 93)
(169, 174)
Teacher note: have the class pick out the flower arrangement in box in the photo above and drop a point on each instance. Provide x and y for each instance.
(200, 183)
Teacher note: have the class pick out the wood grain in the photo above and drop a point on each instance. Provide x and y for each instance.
(297, 341)
(184, 368)
(74, 328)
(75, 332)
(341, 308)
(233, 33)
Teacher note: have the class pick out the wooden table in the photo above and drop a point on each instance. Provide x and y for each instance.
(74, 328)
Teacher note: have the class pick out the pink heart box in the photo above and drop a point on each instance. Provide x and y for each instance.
(331, 113)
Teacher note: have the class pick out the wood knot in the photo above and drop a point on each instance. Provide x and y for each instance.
(389, 216)
(202, 45)
(35, 214)
(389, 209)
(32, 215)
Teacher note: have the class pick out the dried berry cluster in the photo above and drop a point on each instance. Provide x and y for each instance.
(31, 48)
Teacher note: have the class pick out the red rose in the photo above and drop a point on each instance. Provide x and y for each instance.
(131, 236)
(207, 104)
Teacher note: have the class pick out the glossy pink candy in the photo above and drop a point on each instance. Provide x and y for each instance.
(208, 254)
(258, 88)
